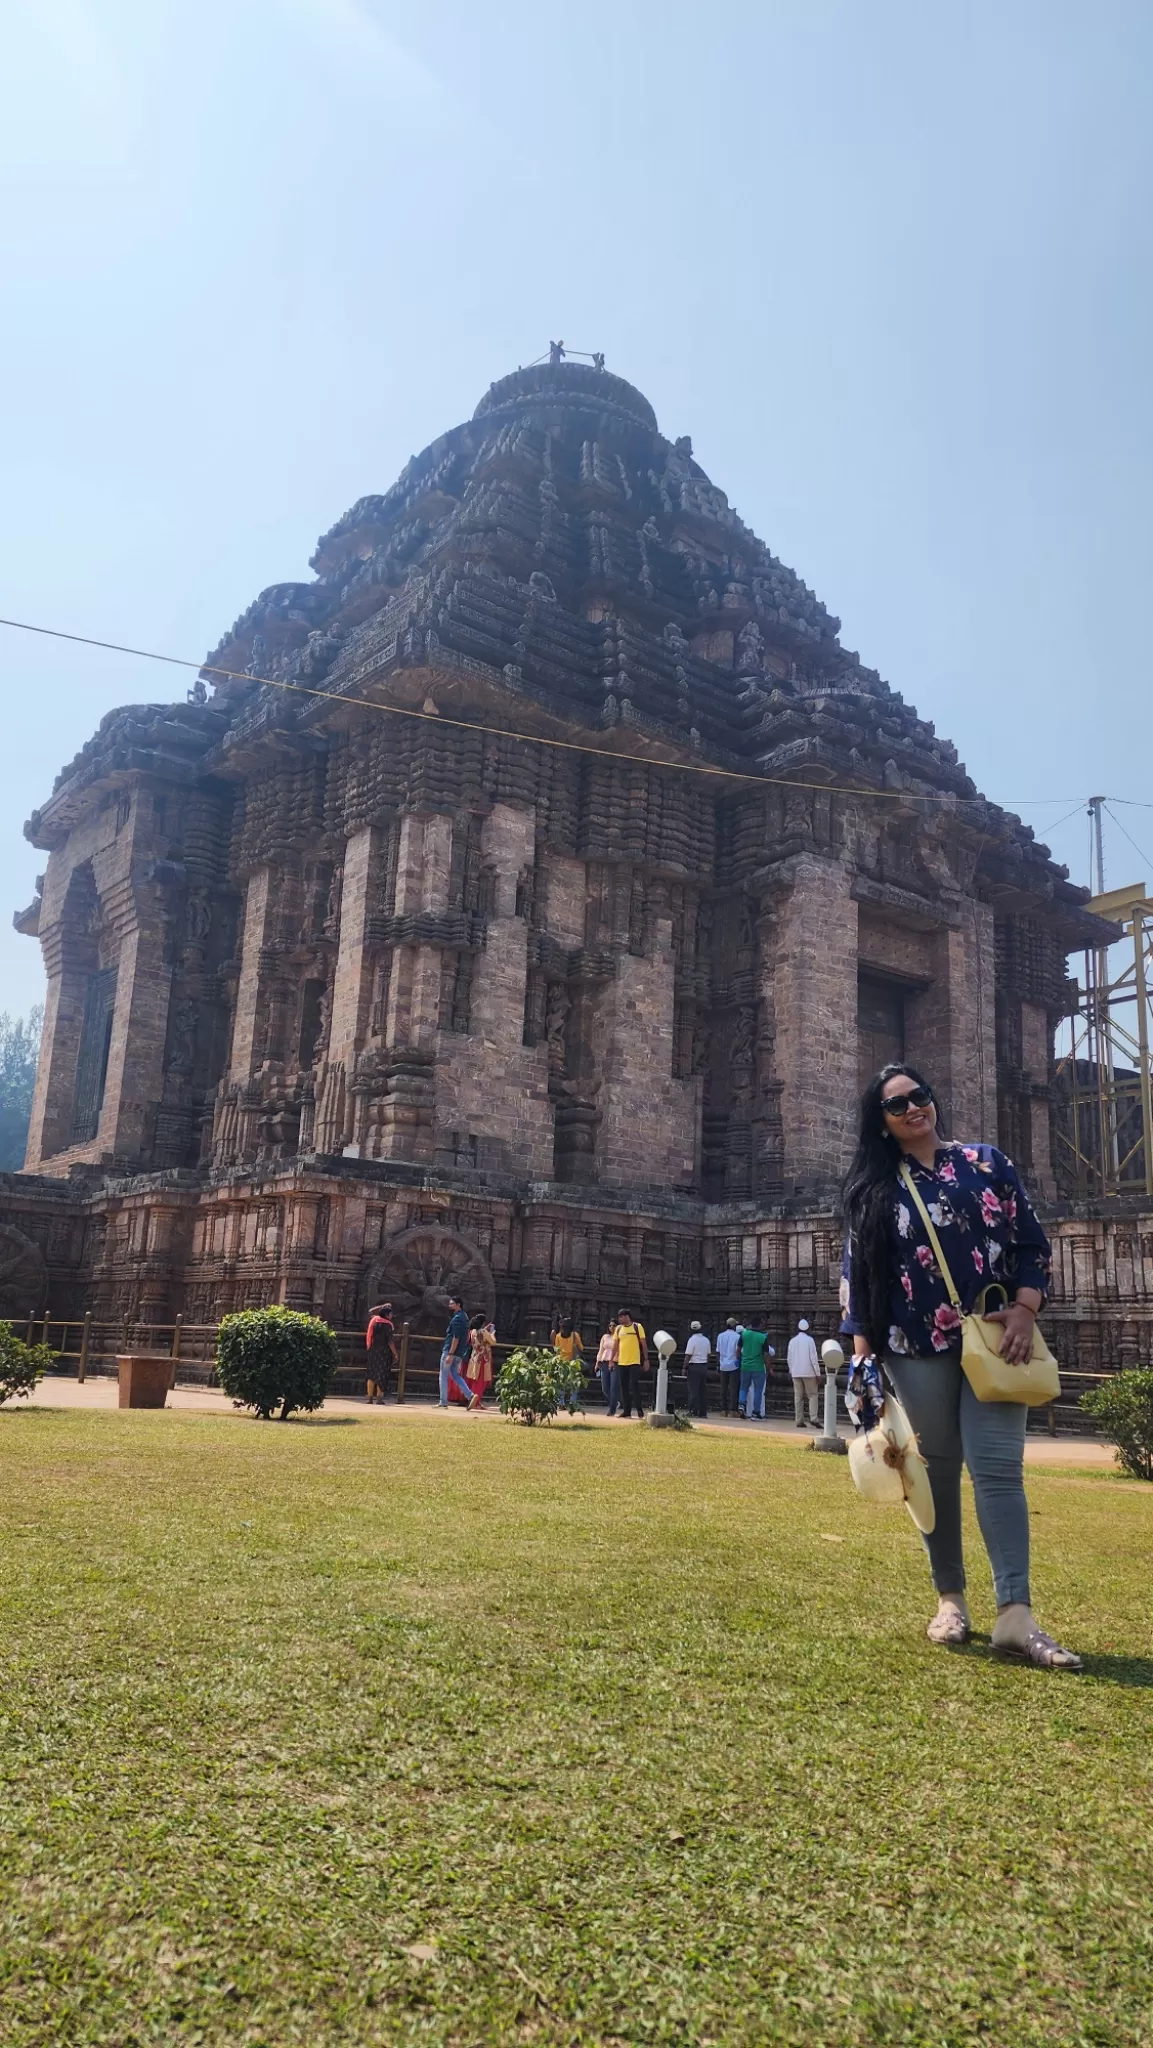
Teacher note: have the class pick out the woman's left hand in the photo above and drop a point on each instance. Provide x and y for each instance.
(1017, 1335)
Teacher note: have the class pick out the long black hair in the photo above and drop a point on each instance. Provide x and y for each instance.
(868, 1191)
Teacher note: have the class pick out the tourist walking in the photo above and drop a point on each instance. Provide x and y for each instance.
(755, 1353)
(729, 1361)
(698, 1351)
(481, 1350)
(380, 1344)
(456, 1349)
(805, 1373)
(632, 1352)
(608, 1371)
(904, 1323)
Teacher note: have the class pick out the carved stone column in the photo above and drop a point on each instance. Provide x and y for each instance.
(250, 990)
(952, 1027)
(404, 1119)
(68, 943)
(351, 989)
(815, 1003)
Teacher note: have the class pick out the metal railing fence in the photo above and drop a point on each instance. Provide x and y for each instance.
(94, 1345)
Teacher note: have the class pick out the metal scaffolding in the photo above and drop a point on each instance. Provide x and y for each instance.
(1103, 1092)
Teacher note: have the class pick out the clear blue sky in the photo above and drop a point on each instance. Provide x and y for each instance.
(888, 263)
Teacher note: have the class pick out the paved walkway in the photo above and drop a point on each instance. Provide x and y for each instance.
(101, 1392)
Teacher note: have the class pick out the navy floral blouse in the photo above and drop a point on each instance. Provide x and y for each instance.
(988, 1232)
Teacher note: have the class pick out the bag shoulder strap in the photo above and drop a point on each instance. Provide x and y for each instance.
(934, 1240)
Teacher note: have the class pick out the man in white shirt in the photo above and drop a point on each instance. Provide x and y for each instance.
(805, 1373)
(697, 1353)
(729, 1360)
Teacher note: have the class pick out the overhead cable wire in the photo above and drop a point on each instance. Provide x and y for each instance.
(1054, 824)
(1129, 837)
(207, 668)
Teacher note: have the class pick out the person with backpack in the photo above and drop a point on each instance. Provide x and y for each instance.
(632, 1353)
(456, 1349)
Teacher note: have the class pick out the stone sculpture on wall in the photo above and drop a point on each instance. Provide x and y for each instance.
(419, 1269)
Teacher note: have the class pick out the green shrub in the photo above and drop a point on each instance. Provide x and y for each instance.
(21, 1364)
(1123, 1408)
(534, 1383)
(274, 1357)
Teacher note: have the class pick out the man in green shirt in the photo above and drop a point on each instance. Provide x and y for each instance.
(755, 1352)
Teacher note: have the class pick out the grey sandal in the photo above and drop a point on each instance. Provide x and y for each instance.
(949, 1628)
(1042, 1651)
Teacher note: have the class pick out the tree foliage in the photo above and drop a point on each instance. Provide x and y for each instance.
(19, 1052)
(534, 1383)
(1123, 1408)
(270, 1358)
(21, 1364)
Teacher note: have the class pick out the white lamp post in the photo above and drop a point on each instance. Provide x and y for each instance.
(832, 1358)
(666, 1345)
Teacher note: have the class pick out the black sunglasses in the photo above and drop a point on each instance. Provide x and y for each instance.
(900, 1105)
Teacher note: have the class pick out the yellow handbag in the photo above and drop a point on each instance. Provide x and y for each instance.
(992, 1377)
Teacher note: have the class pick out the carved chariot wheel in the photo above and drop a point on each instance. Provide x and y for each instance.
(419, 1269)
(23, 1278)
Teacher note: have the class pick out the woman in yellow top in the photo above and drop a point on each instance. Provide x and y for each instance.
(632, 1353)
(566, 1342)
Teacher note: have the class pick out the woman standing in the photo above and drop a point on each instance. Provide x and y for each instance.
(608, 1371)
(479, 1369)
(901, 1317)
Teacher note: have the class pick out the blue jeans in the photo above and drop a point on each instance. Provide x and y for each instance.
(989, 1438)
(450, 1370)
(753, 1386)
(610, 1379)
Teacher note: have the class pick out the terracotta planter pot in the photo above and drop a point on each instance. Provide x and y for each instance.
(145, 1377)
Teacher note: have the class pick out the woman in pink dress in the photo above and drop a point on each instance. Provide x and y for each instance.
(479, 1370)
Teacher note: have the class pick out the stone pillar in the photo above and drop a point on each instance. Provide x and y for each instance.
(490, 1085)
(103, 915)
(649, 1120)
(351, 988)
(68, 961)
(951, 1032)
(405, 1128)
(815, 1005)
(135, 1080)
(423, 866)
(1036, 1049)
(249, 989)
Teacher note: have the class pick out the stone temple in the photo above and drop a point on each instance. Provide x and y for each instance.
(561, 990)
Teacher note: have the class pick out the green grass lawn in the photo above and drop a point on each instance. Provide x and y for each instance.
(431, 1730)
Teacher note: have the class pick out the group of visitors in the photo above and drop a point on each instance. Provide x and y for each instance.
(743, 1354)
(466, 1361)
(742, 1351)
